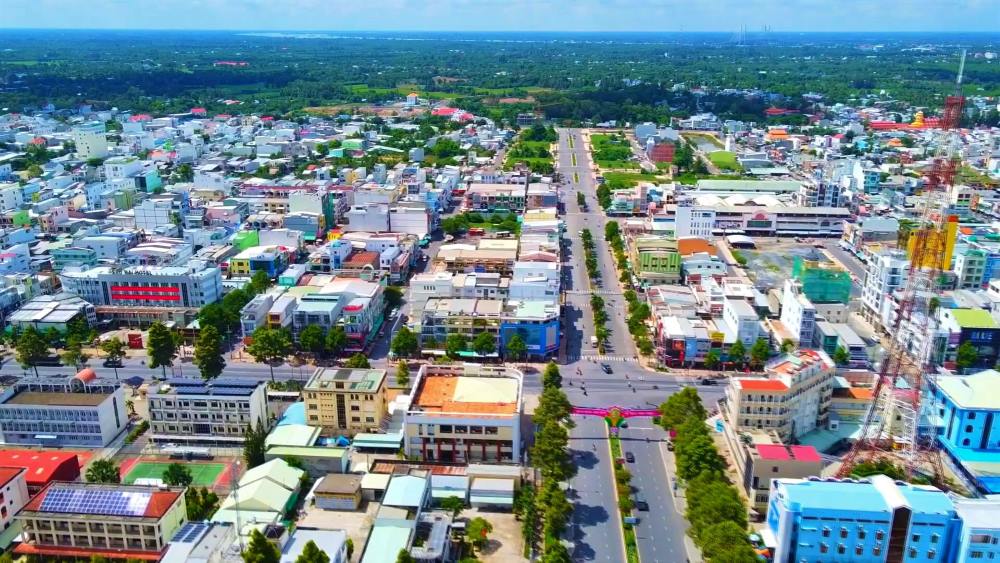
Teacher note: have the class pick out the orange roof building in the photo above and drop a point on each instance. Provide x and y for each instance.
(465, 413)
(692, 245)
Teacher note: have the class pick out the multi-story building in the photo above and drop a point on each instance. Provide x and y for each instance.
(468, 317)
(448, 285)
(798, 315)
(979, 536)
(496, 197)
(272, 260)
(80, 412)
(536, 323)
(655, 259)
(975, 327)
(91, 140)
(461, 258)
(464, 413)
(872, 520)
(758, 458)
(52, 311)
(13, 496)
(887, 272)
(215, 412)
(146, 293)
(970, 268)
(793, 398)
(740, 321)
(345, 401)
(80, 520)
(72, 256)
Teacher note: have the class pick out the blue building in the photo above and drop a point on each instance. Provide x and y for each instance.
(963, 413)
(979, 536)
(536, 322)
(874, 520)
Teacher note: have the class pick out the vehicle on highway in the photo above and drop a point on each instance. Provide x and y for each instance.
(707, 381)
(593, 341)
(641, 505)
(606, 368)
(109, 363)
(629, 457)
(670, 446)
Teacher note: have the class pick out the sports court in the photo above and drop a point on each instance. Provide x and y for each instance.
(203, 474)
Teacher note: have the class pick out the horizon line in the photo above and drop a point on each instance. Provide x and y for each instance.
(498, 31)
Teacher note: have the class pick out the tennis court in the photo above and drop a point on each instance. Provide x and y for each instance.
(203, 474)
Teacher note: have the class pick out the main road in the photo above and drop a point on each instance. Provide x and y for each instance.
(597, 530)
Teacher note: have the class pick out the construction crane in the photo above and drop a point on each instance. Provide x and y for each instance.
(890, 430)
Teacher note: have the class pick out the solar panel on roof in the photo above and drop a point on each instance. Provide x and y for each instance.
(235, 382)
(233, 391)
(190, 532)
(190, 390)
(96, 501)
(182, 381)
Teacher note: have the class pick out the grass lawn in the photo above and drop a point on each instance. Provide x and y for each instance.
(203, 474)
(629, 179)
(725, 160)
(617, 164)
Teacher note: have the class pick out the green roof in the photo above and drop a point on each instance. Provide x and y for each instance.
(385, 542)
(307, 451)
(973, 318)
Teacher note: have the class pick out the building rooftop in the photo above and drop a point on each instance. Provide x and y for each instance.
(462, 394)
(339, 484)
(57, 399)
(761, 384)
(980, 391)
(973, 318)
(77, 499)
(878, 494)
(363, 380)
(780, 452)
(41, 466)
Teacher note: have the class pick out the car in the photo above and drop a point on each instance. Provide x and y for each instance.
(109, 363)
(641, 505)
(629, 457)
(707, 381)
(606, 368)
(670, 446)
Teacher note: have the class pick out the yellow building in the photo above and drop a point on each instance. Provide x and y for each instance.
(938, 242)
(345, 401)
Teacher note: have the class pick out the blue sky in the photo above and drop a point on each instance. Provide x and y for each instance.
(502, 15)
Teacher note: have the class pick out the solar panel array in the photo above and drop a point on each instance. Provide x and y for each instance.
(190, 532)
(96, 501)
(221, 386)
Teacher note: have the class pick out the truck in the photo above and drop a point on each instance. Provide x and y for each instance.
(593, 341)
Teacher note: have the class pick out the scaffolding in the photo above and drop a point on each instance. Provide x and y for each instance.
(822, 282)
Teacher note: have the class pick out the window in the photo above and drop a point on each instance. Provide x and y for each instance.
(968, 428)
(976, 555)
(972, 416)
(445, 429)
(915, 538)
(965, 442)
(774, 469)
(841, 549)
(859, 549)
(876, 551)
(461, 429)
(862, 533)
(912, 553)
(823, 548)
(935, 538)
(843, 532)
(880, 535)
(931, 554)
(826, 532)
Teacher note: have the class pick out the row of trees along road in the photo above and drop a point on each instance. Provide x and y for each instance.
(545, 512)
(715, 509)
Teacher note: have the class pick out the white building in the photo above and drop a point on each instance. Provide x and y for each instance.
(535, 281)
(218, 412)
(91, 140)
(75, 413)
(740, 321)
(887, 272)
(153, 213)
(798, 314)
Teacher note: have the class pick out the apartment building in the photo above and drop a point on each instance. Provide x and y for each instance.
(496, 197)
(91, 140)
(759, 457)
(70, 413)
(887, 271)
(792, 399)
(79, 520)
(13, 496)
(465, 413)
(448, 285)
(463, 258)
(346, 401)
(468, 317)
(211, 413)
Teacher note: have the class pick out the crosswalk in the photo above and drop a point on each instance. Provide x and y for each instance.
(593, 292)
(600, 358)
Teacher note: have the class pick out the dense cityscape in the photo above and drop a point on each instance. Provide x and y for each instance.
(427, 297)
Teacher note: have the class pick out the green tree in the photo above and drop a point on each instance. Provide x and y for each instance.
(455, 505)
(103, 471)
(98, 559)
(557, 553)
(759, 353)
(552, 406)
(697, 455)
(404, 557)
(737, 352)
(253, 444)
(161, 347)
(336, 340)
(405, 344)
(177, 475)
(516, 348)
(357, 361)
(259, 282)
(455, 344)
(484, 343)
(31, 348)
(312, 339)
(201, 503)
(726, 541)
(549, 451)
(73, 355)
(393, 297)
(966, 355)
(208, 356)
(551, 376)
(270, 346)
(680, 407)
(259, 550)
(402, 374)
(478, 531)
(114, 349)
(581, 199)
(712, 360)
(350, 548)
(787, 346)
(841, 356)
(312, 554)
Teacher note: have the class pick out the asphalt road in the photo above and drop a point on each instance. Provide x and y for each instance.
(597, 531)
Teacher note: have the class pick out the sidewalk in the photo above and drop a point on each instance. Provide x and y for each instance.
(680, 503)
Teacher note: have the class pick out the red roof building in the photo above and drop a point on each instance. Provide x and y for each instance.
(118, 521)
(781, 452)
(42, 467)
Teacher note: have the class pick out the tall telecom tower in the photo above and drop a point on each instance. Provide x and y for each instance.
(891, 425)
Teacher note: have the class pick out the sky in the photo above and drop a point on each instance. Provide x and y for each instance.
(507, 15)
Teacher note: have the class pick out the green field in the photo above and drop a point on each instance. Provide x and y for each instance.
(203, 474)
(628, 179)
(725, 160)
(611, 152)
